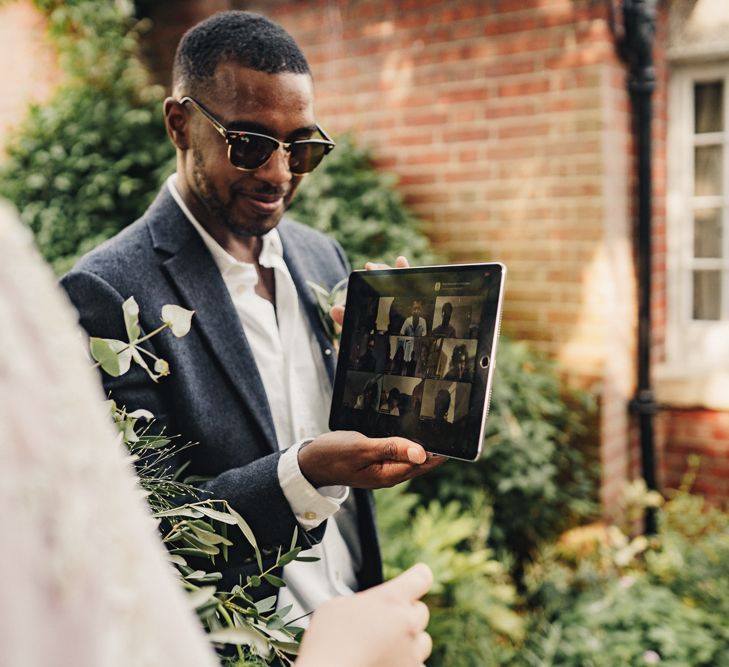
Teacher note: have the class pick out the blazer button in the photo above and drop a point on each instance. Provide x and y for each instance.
(328, 352)
(310, 516)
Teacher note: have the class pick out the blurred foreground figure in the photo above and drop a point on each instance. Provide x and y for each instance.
(86, 581)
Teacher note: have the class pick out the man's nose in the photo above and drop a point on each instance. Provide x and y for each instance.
(276, 171)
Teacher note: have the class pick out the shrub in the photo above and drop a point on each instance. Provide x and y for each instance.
(360, 207)
(472, 621)
(541, 479)
(600, 598)
(88, 163)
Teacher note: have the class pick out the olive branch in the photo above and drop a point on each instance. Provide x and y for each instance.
(201, 528)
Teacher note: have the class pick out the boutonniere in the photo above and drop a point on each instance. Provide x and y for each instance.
(325, 300)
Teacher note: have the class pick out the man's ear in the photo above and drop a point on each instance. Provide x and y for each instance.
(176, 123)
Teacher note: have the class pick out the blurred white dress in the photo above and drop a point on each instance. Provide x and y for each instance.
(85, 581)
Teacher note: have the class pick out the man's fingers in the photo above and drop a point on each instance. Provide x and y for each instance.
(432, 462)
(411, 584)
(337, 314)
(402, 262)
(371, 266)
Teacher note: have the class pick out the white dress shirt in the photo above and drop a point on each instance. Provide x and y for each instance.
(298, 390)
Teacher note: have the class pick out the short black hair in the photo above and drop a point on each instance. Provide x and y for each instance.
(248, 39)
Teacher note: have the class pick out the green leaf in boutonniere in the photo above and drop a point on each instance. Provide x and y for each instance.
(325, 300)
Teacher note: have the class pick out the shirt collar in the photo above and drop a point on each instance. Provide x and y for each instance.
(271, 250)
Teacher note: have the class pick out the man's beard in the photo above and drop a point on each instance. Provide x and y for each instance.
(221, 212)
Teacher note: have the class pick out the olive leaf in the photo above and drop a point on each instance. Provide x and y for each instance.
(114, 356)
(130, 308)
(248, 636)
(178, 319)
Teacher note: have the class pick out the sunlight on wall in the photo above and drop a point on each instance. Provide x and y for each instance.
(396, 78)
(29, 71)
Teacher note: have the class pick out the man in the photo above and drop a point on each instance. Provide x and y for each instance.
(79, 620)
(445, 329)
(459, 370)
(367, 361)
(415, 325)
(253, 377)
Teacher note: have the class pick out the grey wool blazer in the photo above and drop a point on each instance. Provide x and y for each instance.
(214, 395)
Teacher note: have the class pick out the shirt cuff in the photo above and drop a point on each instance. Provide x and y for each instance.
(310, 506)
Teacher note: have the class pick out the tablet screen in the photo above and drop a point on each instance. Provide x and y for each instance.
(416, 355)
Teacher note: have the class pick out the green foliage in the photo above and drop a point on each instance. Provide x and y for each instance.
(472, 619)
(540, 479)
(115, 356)
(604, 599)
(634, 623)
(360, 207)
(325, 301)
(88, 163)
(199, 529)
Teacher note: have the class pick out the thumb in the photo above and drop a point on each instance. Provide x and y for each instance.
(400, 449)
(410, 585)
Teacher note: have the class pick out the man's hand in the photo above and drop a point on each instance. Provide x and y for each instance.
(400, 263)
(349, 458)
(337, 312)
(381, 627)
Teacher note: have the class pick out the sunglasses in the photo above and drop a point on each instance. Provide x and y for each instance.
(248, 151)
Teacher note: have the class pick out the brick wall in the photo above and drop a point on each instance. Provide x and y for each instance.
(703, 433)
(492, 115)
(29, 71)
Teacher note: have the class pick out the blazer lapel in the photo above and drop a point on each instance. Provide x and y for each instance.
(194, 274)
(298, 273)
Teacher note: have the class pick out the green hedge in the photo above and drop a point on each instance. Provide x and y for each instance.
(361, 208)
(85, 165)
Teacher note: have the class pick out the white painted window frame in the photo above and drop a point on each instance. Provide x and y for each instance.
(695, 371)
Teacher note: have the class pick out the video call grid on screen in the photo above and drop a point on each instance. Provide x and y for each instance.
(410, 353)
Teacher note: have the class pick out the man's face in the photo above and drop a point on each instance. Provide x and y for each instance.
(247, 203)
(415, 309)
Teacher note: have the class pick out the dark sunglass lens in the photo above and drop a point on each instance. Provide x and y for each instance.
(249, 151)
(306, 156)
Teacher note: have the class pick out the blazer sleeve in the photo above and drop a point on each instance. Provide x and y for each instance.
(253, 490)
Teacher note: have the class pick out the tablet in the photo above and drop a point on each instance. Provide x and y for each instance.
(416, 355)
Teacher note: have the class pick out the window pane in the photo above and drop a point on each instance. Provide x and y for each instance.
(707, 295)
(709, 107)
(707, 170)
(707, 232)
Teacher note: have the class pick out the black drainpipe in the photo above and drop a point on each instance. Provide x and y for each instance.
(639, 20)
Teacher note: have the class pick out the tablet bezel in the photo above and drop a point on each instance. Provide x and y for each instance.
(487, 339)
